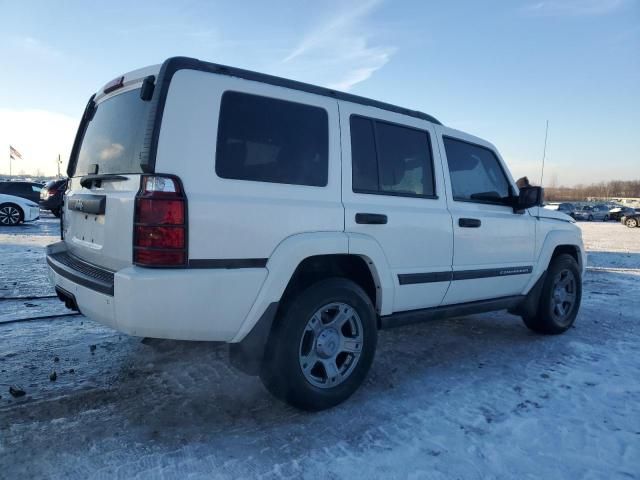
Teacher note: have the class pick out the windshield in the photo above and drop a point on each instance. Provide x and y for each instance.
(114, 136)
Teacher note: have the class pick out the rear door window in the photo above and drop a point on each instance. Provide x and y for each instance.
(390, 159)
(475, 172)
(265, 139)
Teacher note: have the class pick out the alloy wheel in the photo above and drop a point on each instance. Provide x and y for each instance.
(9, 215)
(564, 292)
(331, 345)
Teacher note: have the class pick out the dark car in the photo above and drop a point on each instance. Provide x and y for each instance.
(52, 195)
(632, 220)
(616, 213)
(28, 190)
(568, 208)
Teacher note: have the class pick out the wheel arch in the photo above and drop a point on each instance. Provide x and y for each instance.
(558, 242)
(338, 253)
(568, 249)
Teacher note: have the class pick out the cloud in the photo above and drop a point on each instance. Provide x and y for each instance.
(35, 47)
(39, 135)
(574, 8)
(338, 53)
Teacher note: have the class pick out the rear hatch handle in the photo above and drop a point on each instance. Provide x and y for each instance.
(88, 180)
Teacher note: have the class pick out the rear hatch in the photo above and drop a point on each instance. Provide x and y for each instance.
(105, 172)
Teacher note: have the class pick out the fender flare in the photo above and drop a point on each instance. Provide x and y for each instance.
(294, 249)
(554, 239)
(370, 250)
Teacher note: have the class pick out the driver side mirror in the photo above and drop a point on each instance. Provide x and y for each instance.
(529, 197)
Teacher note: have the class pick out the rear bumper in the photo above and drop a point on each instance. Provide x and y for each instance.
(180, 304)
(31, 214)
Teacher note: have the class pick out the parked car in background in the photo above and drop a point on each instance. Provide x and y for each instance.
(616, 213)
(592, 212)
(632, 220)
(52, 194)
(28, 190)
(15, 210)
(568, 208)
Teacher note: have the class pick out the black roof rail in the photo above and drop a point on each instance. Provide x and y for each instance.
(174, 64)
(178, 63)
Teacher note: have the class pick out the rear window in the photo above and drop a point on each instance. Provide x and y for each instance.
(269, 140)
(113, 138)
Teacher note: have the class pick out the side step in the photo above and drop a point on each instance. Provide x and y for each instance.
(446, 311)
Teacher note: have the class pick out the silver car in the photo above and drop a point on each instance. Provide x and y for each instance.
(592, 212)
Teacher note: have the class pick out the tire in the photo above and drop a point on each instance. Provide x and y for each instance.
(631, 222)
(606, 218)
(303, 341)
(590, 218)
(559, 298)
(10, 214)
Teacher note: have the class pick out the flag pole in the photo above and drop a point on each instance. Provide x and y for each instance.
(10, 162)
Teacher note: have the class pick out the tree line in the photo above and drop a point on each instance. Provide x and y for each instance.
(612, 189)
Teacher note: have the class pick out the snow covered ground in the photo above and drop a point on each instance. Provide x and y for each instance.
(474, 397)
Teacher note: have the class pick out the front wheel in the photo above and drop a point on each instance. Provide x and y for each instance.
(559, 299)
(321, 346)
(631, 222)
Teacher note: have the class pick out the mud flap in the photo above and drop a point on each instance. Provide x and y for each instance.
(247, 355)
(529, 306)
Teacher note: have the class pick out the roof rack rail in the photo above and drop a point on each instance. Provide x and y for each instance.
(174, 64)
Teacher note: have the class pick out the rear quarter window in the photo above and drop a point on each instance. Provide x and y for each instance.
(265, 139)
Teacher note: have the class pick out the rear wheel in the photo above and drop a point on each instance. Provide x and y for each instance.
(631, 222)
(559, 299)
(606, 218)
(321, 346)
(10, 214)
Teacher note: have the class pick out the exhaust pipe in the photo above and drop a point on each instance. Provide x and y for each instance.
(68, 298)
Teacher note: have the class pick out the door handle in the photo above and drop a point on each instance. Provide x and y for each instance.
(469, 222)
(371, 218)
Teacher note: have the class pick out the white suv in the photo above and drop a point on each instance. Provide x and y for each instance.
(211, 203)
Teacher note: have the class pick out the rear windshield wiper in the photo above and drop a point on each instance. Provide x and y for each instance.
(87, 180)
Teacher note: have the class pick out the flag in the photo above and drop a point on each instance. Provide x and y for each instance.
(14, 154)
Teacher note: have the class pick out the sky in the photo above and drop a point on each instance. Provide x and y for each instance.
(495, 69)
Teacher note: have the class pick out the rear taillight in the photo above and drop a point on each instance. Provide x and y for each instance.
(160, 223)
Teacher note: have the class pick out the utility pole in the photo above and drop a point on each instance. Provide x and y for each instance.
(59, 165)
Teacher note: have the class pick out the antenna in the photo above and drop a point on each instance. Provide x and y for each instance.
(544, 152)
